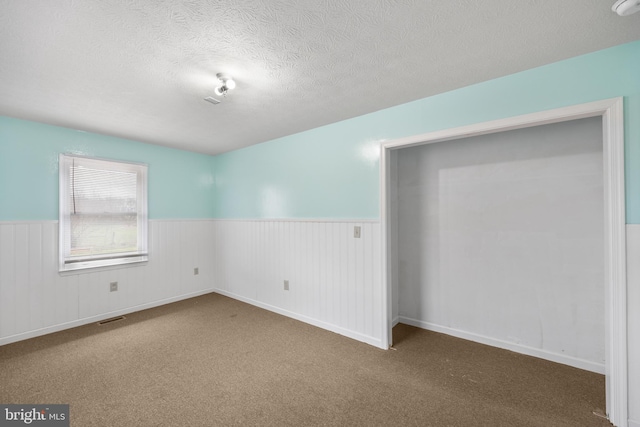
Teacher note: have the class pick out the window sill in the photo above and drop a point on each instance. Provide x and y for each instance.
(102, 265)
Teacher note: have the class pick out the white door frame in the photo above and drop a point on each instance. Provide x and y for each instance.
(612, 114)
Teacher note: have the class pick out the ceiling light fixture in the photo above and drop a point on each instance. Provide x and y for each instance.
(226, 84)
(626, 7)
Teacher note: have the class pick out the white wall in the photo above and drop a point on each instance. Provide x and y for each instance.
(334, 278)
(501, 240)
(35, 299)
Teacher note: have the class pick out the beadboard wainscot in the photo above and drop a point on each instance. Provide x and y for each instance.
(334, 277)
(35, 299)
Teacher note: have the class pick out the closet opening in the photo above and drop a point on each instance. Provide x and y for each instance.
(511, 233)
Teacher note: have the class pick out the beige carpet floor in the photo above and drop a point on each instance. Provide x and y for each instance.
(214, 361)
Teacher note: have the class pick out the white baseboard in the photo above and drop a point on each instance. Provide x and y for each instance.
(84, 321)
(518, 348)
(633, 423)
(377, 342)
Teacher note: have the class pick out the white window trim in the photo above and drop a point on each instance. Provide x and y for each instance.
(141, 255)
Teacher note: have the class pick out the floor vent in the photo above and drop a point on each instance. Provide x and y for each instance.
(113, 319)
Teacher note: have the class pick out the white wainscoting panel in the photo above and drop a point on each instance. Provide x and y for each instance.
(633, 329)
(334, 278)
(35, 299)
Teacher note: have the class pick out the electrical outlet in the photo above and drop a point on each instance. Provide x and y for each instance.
(286, 285)
(196, 271)
(356, 231)
(113, 286)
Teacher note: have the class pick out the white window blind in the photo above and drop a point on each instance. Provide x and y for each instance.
(103, 212)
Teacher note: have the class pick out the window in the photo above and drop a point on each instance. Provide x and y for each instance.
(103, 213)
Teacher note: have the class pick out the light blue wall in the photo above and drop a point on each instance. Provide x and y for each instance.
(332, 171)
(180, 182)
(328, 172)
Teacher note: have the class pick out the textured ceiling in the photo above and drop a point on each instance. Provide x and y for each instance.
(139, 69)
